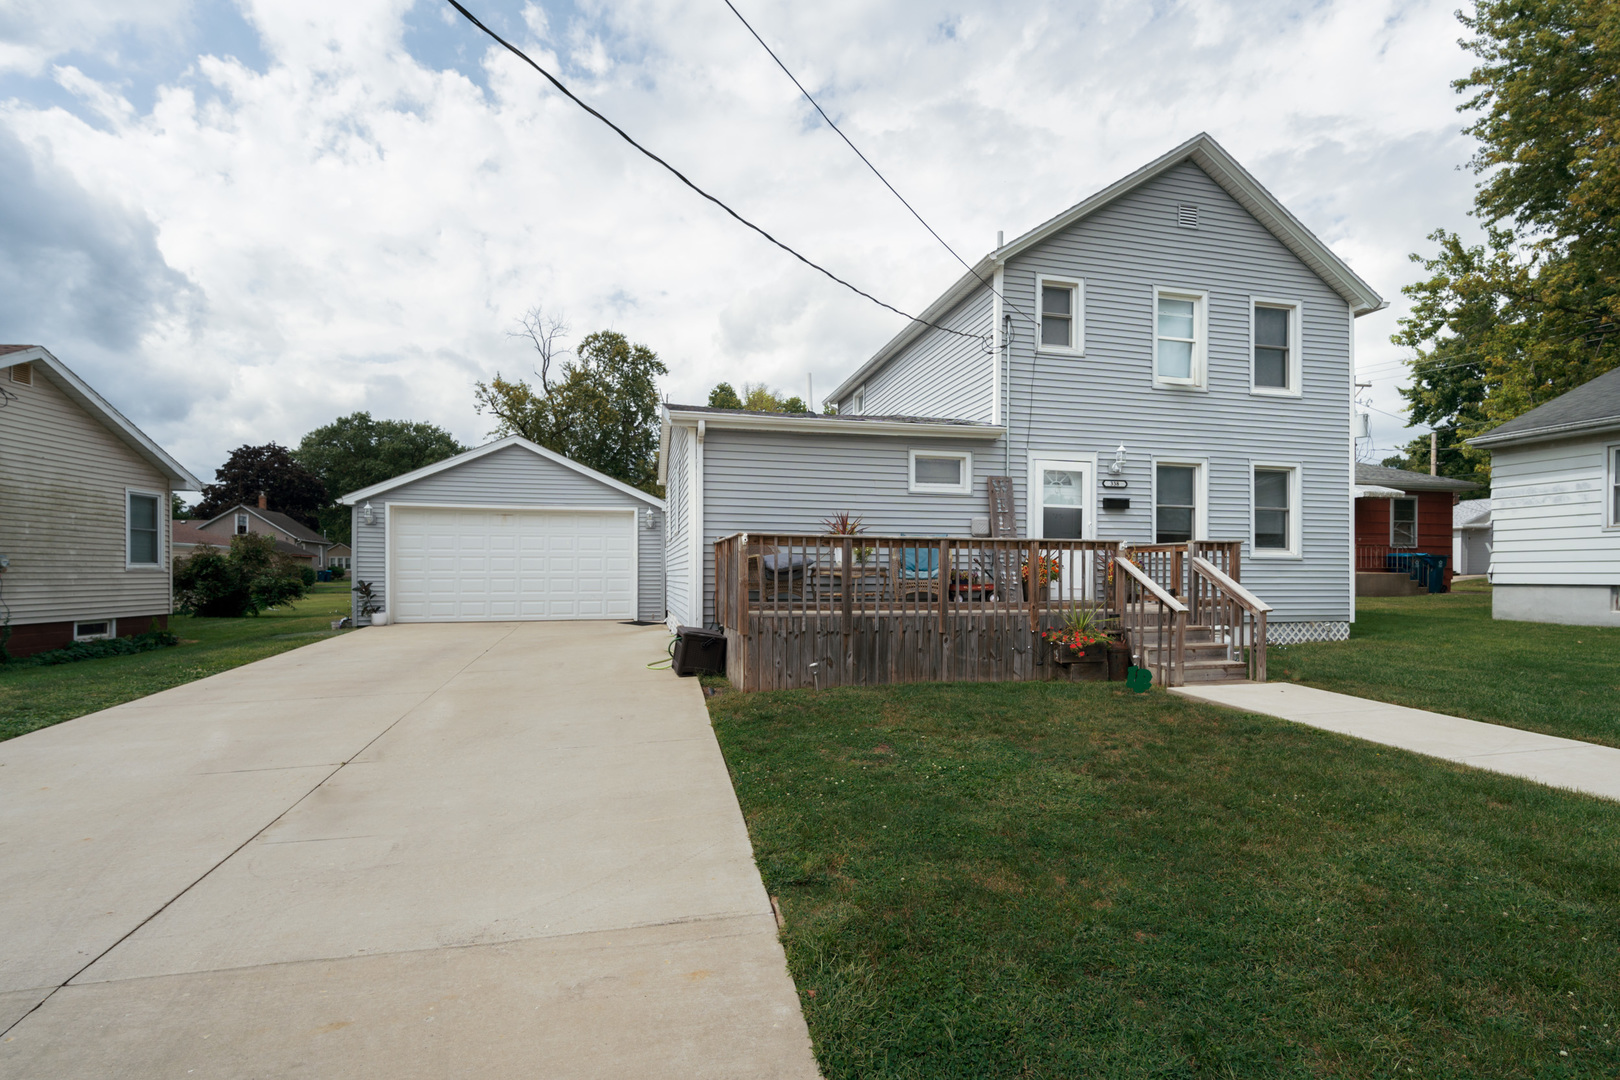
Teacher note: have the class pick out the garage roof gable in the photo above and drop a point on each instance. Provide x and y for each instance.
(489, 448)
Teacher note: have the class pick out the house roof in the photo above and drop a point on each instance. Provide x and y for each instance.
(276, 518)
(184, 534)
(1471, 514)
(1407, 480)
(1593, 406)
(80, 393)
(489, 448)
(1219, 166)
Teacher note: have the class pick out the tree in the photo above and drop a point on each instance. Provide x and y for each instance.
(793, 405)
(355, 451)
(287, 485)
(177, 508)
(724, 397)
(602, 411)
(1501, 327)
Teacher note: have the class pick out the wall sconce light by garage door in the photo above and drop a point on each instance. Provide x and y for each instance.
(366, 515)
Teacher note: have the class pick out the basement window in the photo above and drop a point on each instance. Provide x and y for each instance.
(92, 631)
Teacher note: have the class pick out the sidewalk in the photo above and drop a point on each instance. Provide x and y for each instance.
(1546, 759)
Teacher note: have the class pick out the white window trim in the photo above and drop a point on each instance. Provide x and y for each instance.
(1077, 316)
(240, 521)
(1200, 494)
(1040, 460)
(963, 488)
(860, 399)
(1296, 486)
(111, 631)
(1200, 358)
(1611, 470)
(1413, 499)
(162, 519)
(1296, 341)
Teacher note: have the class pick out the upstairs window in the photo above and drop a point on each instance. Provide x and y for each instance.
(1403, 523)
(941, 473)
(1274, 360)
(142, 520)
(1179, 338)
(241, 524)
(1062, 314)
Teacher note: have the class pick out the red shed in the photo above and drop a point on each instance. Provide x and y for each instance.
(1400, 514)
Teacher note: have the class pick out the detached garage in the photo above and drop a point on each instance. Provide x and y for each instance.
(507, 532)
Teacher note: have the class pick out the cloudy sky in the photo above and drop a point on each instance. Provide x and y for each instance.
(240, 220)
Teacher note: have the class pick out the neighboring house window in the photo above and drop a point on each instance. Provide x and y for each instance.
(1178, 338)
(1403, 522)
(1175, 497)
(142, 519)
(1275, 360)
(1063, 310)
(92, 631)
(941, 473)
(1614, 485)
(241, 524)
(1276, 511)
(860, 400)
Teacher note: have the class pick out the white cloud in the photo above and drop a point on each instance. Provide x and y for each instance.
(352, 229)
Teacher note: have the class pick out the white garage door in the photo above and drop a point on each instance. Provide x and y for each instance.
(494, 565)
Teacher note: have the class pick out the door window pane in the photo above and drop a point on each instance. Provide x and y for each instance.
(1271, 509)
(1062, 504)
(1057, 315)
(143, 529)
(1403, 522)
(1176, 507)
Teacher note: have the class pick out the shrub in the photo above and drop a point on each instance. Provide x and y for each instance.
(246, 580)
(94, 650)
(308, 574)
(337, 573)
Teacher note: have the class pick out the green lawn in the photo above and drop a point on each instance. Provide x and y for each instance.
(1446, 653)
(1065, 880)
(32, 698)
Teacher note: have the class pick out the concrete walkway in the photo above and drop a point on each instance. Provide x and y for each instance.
(488, 850)
(1547, 759)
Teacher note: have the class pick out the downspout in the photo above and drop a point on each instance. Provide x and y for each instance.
(1006, 397)
(700, 570)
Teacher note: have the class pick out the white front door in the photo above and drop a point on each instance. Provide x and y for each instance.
(451, 564)
(1062, 507)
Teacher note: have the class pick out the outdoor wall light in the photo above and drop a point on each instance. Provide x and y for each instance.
(1118, 465)
(366, 515)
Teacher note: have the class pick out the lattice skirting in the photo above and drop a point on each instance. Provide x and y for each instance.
(1297, 633)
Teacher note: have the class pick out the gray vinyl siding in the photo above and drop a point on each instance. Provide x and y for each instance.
(677, 531)
(758, 481)
(63, 476)
(941, 374)
(513, 476)
(1093, 403)
(1549, 514)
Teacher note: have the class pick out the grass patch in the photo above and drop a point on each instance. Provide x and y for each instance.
(1446, 653)
(36, 697)
(1069, 880)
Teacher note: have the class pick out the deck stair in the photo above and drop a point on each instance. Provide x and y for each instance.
(1201, 627)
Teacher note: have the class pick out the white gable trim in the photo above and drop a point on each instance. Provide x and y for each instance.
(489, 448)
(93, 403)
(1222, 168)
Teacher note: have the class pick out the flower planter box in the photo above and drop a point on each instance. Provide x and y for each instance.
(1098, 663)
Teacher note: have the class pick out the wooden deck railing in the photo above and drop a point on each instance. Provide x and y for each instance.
(818, 610)
(1155, 622)
(1166, 564)
(1235, 616)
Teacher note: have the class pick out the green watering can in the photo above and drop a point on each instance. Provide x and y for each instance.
(1138, 679)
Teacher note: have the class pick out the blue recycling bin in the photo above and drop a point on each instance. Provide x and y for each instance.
(1437, 572)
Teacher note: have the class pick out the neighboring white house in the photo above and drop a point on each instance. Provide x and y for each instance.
(1170, 360)
(1555, 508)
(84, 510)
(1471, 537)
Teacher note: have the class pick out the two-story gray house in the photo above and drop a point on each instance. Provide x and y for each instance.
(1171, 359)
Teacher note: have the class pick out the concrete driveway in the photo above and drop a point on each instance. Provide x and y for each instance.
(481, 850)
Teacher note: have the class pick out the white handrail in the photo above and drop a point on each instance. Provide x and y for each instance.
(1243, 596)
(1152, 586)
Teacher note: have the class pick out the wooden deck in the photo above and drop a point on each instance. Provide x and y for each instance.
(821, 611)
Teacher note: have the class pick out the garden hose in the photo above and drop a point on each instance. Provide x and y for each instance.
(668, 661)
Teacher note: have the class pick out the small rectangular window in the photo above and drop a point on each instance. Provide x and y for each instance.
(941, 473)
(1062, 314)
(92, 631)
(1272, 527)
(1176, 503)
(1178, 338)
(241, 524)
(143, 530)
(1403, 523)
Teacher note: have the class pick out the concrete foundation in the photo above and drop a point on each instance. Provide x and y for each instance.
(1572, 605)
(1380, 583)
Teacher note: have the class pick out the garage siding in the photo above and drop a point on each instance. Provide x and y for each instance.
(513, 476)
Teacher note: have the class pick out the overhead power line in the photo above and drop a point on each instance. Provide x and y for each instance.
(868, 163)
(571, 96)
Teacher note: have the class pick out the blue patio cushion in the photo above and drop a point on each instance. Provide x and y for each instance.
(920, 562)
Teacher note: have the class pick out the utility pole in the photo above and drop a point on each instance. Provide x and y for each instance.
(1434, 453)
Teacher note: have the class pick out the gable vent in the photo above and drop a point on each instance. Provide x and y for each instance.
(23, 373)
(1187, 216)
